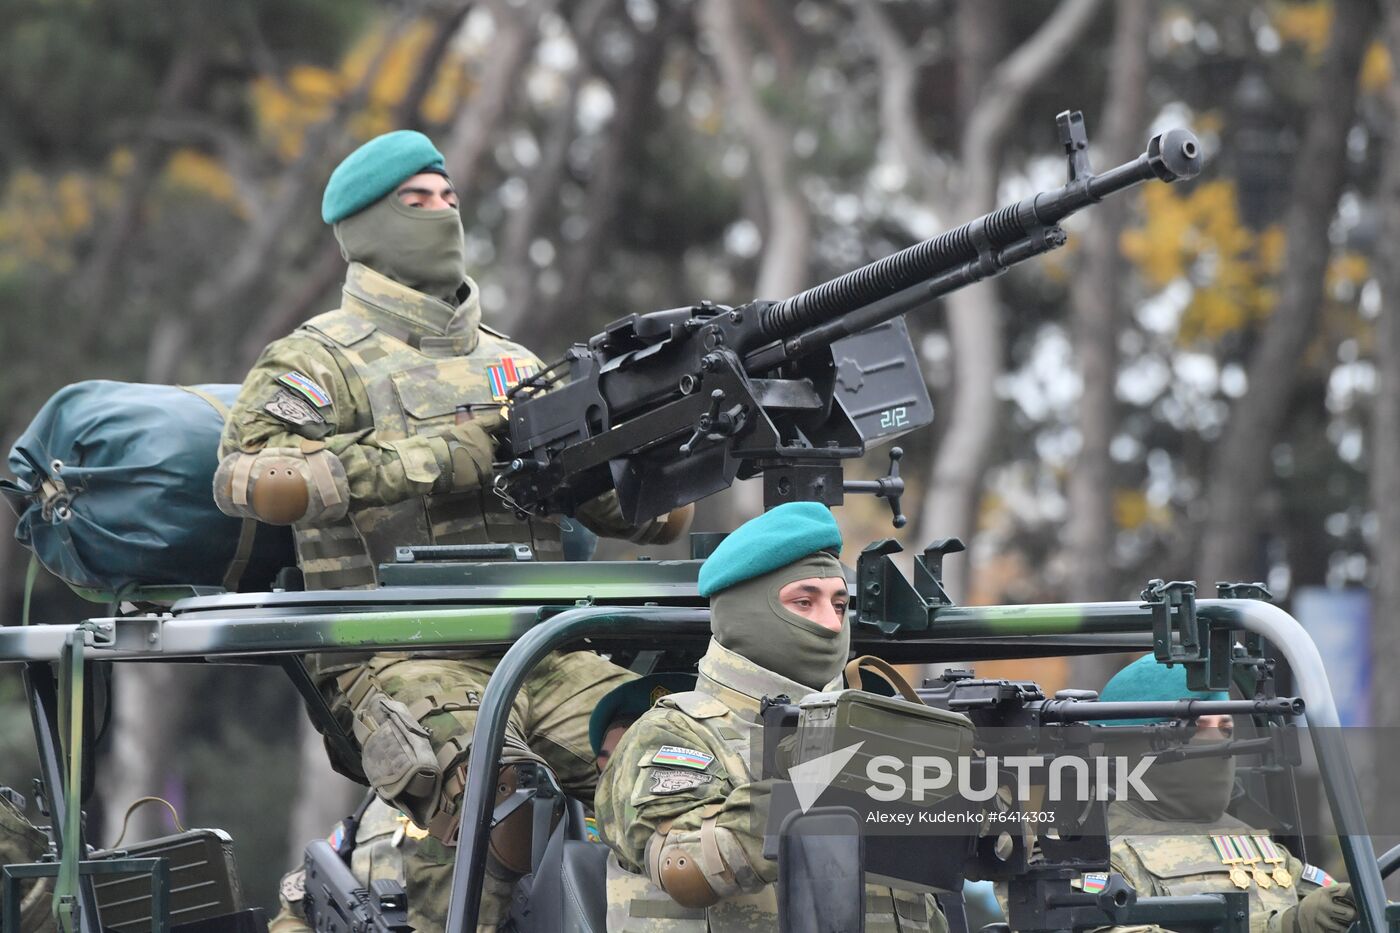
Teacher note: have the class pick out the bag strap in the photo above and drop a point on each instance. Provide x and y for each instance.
(249, 529)
(868, 663)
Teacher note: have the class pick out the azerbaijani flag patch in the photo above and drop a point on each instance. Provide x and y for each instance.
(306, 387)
(1317, 876)
(680, 757)
(507, 376)
(1094, 882)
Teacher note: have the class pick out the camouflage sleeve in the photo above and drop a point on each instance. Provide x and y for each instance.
(658, 781)
(267, 414)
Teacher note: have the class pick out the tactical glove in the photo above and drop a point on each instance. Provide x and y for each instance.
(1326, 910)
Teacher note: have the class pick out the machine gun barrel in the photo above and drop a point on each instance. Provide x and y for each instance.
(1058, 711)
(978, 249)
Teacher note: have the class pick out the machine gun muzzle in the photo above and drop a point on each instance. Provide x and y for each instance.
(978, 249)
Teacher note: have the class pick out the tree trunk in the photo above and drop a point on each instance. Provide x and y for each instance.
(178, 90)
(974, 313)
(783, 268)
(474, 128)
(323, 797)
(1241, 470)
(1096, 300)
(514, 270)
(635, 95)
(1384, 470)
(145, 723)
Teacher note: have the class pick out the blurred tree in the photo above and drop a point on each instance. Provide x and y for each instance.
(1241, 464)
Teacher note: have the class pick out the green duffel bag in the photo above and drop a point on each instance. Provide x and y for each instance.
(113, 492)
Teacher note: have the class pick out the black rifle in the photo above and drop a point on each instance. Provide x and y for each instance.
(671, 406)
(336, 903)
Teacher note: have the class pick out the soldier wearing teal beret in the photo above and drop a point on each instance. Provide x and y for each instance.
(375, 426)
(1184, 842)
(679, 803)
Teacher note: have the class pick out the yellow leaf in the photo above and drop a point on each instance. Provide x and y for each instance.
(1305, 24)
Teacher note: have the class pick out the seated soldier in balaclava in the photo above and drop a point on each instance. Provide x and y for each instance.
(1185, 843)
(678, 802)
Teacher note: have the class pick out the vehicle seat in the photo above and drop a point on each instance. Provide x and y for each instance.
(568, 891)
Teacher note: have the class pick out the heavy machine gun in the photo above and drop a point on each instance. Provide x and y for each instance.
(671, 406)
(1040, 835)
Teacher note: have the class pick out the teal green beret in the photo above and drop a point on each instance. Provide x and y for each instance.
(375, 169)
(633, 699)
(774, 539)
(1148, 680)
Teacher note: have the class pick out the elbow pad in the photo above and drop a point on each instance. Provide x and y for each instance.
(283, 486)
(698, 869)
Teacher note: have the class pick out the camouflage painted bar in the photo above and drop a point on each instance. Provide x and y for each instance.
(210, 635)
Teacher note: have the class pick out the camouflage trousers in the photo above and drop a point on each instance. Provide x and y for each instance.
(414, 719)
(21, 842)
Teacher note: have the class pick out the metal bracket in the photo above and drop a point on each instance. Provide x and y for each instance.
(884, 598)
(1244, 591)
(1203, 648)
(131, 634)
(157, 868)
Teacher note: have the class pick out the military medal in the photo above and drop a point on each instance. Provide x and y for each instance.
(507, 376)
(1275, 857)
(1252, 860)
(1229, 857)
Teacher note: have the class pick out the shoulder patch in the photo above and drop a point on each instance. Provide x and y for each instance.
(341, 327)
(666, 781)
(1315, 875)
(694, 704)
(293, 409)
(293, 886)
(306, 387)
(680, 756)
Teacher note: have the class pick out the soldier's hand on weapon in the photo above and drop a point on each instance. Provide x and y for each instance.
(491, 419)
(1326, 910)
(669, 527)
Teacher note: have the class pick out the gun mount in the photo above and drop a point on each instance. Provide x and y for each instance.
(671, 406)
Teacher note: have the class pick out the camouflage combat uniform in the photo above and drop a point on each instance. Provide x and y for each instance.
(22, 842)
(377, 400)
(643, 793)
(384, 838)
(1158, 863)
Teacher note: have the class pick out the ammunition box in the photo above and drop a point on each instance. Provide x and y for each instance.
(203, 881)
(885, 726)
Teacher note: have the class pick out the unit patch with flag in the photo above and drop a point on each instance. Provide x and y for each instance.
(682, 757)
(666, 781)
(306, 387)
(507, 376)
(1315, 875)
(1095, 881)
(293, 409)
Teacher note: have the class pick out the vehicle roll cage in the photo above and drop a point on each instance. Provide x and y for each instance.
(498, 609)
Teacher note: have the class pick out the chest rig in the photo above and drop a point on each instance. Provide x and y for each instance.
(416, 385)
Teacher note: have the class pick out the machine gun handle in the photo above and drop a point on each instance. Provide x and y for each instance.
(889, 487)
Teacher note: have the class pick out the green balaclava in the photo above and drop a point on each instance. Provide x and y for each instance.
(748, 619)
(422, 249)
(1196, 790)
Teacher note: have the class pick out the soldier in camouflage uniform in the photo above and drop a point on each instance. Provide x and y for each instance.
(1185, 843)
(678, 802)
(22, 842)
(374, 426)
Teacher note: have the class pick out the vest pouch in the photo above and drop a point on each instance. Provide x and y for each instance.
(1189, 865)
(431, 394)
(398, 759)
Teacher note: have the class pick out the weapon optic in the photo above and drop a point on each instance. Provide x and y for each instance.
(671, 406)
